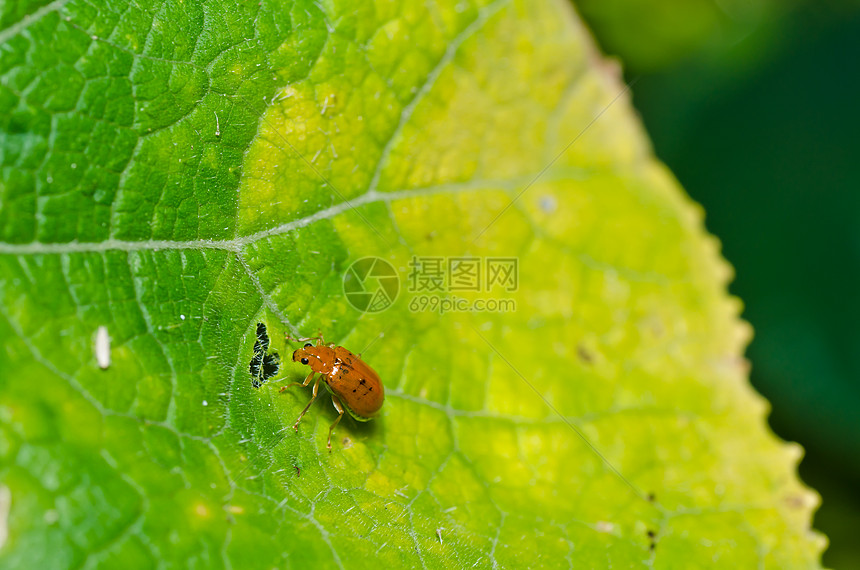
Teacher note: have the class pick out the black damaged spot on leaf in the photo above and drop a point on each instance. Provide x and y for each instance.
(263, 365)
(255, 366)
(262, 343)
(271, 365)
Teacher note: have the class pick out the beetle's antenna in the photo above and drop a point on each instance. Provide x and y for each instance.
(377, 337)
(287, 337)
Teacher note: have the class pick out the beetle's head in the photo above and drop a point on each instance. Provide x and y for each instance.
(302, 355)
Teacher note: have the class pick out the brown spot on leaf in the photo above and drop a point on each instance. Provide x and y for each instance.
(584, 354)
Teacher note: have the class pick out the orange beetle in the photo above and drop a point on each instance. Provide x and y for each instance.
(353, 384)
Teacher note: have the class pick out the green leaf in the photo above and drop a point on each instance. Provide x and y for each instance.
(178, 173)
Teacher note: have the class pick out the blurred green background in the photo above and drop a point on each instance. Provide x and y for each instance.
(755, 106)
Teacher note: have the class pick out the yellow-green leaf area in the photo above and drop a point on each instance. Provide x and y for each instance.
(244, 158)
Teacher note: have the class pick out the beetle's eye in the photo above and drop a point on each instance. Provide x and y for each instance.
(307, 344)
(304, 360)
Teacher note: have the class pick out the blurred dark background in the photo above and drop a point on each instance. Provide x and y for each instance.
(755, 106)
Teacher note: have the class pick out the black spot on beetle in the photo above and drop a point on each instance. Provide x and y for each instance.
(362, 382)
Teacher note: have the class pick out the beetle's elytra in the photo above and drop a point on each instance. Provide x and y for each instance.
(354, 385)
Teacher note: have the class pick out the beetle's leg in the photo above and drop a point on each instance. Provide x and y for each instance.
(339, 408)
(314, 397)
(305, 383)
